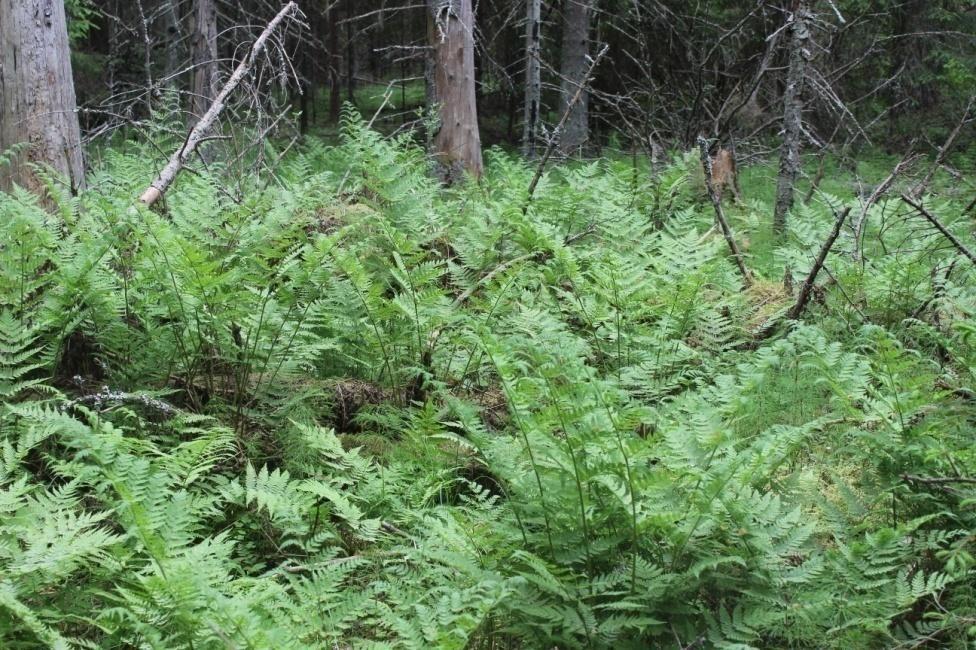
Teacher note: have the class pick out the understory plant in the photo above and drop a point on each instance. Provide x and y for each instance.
(355, 409)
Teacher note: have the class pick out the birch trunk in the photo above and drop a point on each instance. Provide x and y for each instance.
(205, 67)
(533, 75)
(789, 161)
(456, 145)
(573, 70)
(37, 94)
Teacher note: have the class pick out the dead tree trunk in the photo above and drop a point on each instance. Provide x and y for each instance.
(114, 48)
(335, 60)
(37, 94)
(204, 46)
(533, 75)
(789, 161)
(573, 69)
(350, 54)
(174, 37)
(456, 145)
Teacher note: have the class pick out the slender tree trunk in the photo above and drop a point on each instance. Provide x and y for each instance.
(350, 57)
(533, 75)
(114, 48)
(573, 68)
(456, 145)
(204, 58)
(174, 37)
(335, 60)
(306, 92)
(37, 94)
(789, 161)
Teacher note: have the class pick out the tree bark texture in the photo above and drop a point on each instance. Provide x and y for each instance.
(37, 94)
(335, 61)
(456, 145)
(204, 45)
(171, 25)
(573, 69)
(533, 75)
(789, 161)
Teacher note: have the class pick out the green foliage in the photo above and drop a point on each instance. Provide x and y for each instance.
(356, 410)
(81, 16)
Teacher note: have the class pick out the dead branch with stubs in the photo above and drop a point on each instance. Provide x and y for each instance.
(967, 117)
(554, 140)
(806, 289)
(720, 213)
(199, 133)
(932, 219)
(875, 196)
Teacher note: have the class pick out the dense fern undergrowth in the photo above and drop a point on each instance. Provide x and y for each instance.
(357, 410)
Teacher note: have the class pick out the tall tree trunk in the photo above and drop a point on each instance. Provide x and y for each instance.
(174, 37)
(205, 63)
(533, 75)
(37, 94)
(114, 48)
(335, 60)
(456, 145)
(350, 56)
(573, 68)
(789, 161)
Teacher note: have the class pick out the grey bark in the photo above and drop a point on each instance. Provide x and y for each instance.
(573, 69)
(456, 145)
(789, 161)
(335, 61)
(114, 49)
(199, 131)
(204, 46)
(174, 37)
(37, 94)
(533, 75)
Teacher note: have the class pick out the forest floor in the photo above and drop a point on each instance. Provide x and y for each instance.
(344, 407)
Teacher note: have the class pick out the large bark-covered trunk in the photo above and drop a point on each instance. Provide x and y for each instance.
(533, 75)
(205, 64)
(573, 69)
(37, 94)
(789, 161)
(456, 145)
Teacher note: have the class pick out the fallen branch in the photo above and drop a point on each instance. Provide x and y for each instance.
(939, 480)
(554, 140)
(806, 289)
(720, 214)
(102, 399)
(878, 192)
(197, 134)
(969, 208)
(938, 225)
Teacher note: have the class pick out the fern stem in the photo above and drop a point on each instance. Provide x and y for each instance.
(630, 484)
(576, 475)
(528, 447)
